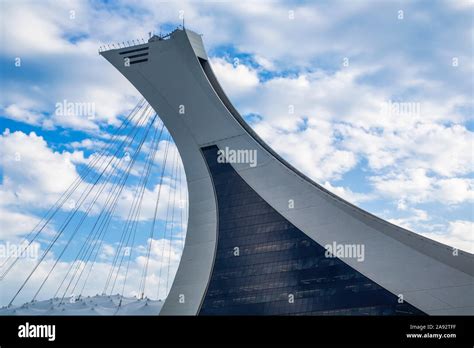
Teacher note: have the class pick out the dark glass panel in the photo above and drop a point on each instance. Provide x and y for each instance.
(277, 260)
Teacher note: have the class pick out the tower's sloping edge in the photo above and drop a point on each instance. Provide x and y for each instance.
(439, 251)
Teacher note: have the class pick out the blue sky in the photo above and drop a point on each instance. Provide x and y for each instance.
(314, 79)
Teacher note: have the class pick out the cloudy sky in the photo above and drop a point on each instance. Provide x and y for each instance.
(374, 100)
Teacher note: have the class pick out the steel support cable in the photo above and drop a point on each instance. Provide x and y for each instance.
(164, 239)
(85, 171)
(83, 217)
(79, 180)
(164, 236)
(66, 223)
(134, 228)
(95, 250)
(104, 218)
(70, 282)
(172, 222)
(103, 230)
(67, 194)
(92, 235)
(134, 210)
(145, 269)
(84, 195)
(81, 199)
(128, 264)
(139, 200)
(94, 232)
(122, 239)
(120, 247)
(96, 247)
(126, 272)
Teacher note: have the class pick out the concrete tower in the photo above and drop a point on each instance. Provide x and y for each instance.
(262, 237)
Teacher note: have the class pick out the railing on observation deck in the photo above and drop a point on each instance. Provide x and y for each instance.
(132, 43)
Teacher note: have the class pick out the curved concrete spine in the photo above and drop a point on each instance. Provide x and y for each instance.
(178, 82)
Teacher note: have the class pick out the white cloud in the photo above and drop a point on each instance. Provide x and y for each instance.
(17, 113)
(264, 63)
(410, 222)
(235, 78)
(41, 35)
(461, 4)
(89, 144)
(454, 190)
(312, 151)
(46, 37)
(34, 177)
(416, 186)
(460, 234)
(15, 224)
(348, 194)
(33, 174)
(445, 150)
(107, 251)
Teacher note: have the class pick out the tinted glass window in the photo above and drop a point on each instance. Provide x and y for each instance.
(265, 265)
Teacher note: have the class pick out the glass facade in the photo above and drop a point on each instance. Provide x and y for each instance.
(266, 266)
